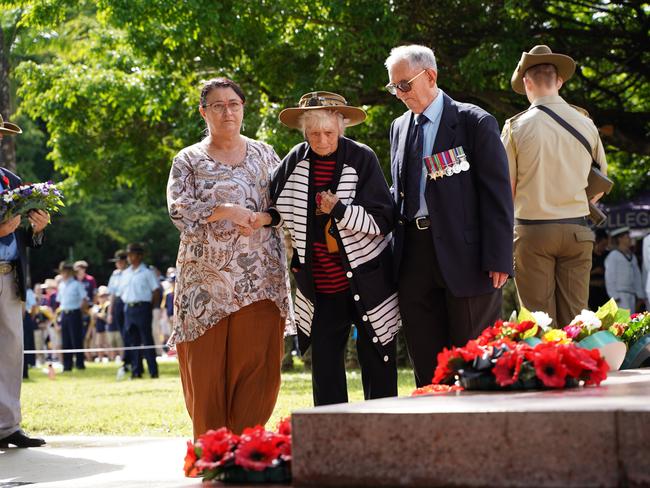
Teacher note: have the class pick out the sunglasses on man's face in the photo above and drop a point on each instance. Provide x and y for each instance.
(403, 86)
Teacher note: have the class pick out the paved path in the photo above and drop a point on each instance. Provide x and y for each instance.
(97, 462)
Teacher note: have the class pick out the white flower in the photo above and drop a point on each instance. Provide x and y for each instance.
(587, 319)
(543, 320)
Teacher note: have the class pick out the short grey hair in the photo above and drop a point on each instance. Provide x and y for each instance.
(317, 119)
(418, 57)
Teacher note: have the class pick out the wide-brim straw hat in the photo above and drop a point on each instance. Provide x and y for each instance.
(541, 54)
(322, 100)
(9, 128)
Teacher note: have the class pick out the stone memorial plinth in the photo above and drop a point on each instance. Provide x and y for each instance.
(581, 437)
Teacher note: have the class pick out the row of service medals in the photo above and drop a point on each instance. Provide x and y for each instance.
(446, 163)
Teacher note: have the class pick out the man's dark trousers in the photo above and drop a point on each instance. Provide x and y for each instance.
(118, 320)
(72, 338)
(433, 318)
(137, 318)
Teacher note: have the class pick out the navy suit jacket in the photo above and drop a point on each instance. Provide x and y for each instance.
(23, 240)
(471, 212)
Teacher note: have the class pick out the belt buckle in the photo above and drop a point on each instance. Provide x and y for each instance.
(417, 223)
(6, 268)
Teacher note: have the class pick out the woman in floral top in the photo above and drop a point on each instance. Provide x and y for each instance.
(232, 287)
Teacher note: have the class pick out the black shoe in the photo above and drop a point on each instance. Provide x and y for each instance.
(154, 376)
(19, 439)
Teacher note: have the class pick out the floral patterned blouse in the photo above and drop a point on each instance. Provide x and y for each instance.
(218, 270)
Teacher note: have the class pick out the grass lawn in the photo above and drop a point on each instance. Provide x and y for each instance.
(93, 402)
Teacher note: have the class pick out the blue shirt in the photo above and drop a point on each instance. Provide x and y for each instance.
(30, 299)
(430, 130)
(114, 283)
(137, 285)
(71, 294)
(8, 249)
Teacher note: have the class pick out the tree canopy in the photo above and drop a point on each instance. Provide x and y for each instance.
(113, 85)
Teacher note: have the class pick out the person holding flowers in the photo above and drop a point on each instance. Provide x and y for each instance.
(231, 300)
(13, 273)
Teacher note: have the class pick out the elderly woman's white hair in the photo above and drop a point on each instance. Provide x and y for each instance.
(317, 119)
(418, 57)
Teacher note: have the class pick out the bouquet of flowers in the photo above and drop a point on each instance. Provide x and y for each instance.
(486, 364)
(37, 196)
(532, 327)
(635, 329)
(636, 334)
(607, 318)
(257, 455)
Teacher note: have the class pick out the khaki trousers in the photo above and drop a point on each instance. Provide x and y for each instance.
(11, 355)
(552, 266)
(231, 374)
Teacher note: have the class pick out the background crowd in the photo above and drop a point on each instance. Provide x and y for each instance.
(69, 311)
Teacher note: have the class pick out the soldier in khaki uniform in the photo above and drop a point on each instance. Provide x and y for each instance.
(548, 172)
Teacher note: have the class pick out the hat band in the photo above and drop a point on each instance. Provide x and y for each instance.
(322, 102)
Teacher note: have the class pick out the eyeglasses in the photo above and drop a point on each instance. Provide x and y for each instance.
(404, 86)
(220, 107)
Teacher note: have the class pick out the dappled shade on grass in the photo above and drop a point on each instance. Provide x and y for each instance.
(93, 402)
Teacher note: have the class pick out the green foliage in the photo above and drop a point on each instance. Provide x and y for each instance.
(119, 99)
(94, 228)
(637, 329)
(112, 86)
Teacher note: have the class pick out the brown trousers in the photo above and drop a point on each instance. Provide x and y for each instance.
(231, 374)
(552, 266)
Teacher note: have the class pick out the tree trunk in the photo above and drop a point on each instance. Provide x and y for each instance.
(8, 144)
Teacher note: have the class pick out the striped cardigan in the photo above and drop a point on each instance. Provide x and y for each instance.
(364, 218)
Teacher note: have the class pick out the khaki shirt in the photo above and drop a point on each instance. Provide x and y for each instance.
(548, 165)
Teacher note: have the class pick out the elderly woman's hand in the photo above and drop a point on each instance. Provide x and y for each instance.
(257, 221)
(238, 215)
(327, 201)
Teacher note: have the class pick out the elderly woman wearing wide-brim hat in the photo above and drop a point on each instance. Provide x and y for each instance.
(330, 194)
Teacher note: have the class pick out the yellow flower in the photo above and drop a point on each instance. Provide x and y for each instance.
(556, 335)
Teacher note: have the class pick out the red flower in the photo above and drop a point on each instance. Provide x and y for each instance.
(257, 452)
(577, 360)
(522, 327)
(436, 390)
(506, 370)
(190, 468)
(471, 351)
(445, 371)
(491, 333)
(283, 443)
(5, 181)
(217, 447)
(549, 367)
(598, 374)
(284, 426)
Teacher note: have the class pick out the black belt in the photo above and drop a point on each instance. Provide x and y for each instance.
(421, 223)
(137, 304)
(574, 221)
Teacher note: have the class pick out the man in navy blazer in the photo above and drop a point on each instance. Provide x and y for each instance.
(13, 277)
(453, 244)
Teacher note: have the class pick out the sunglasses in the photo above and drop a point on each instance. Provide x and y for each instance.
(404, 86)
